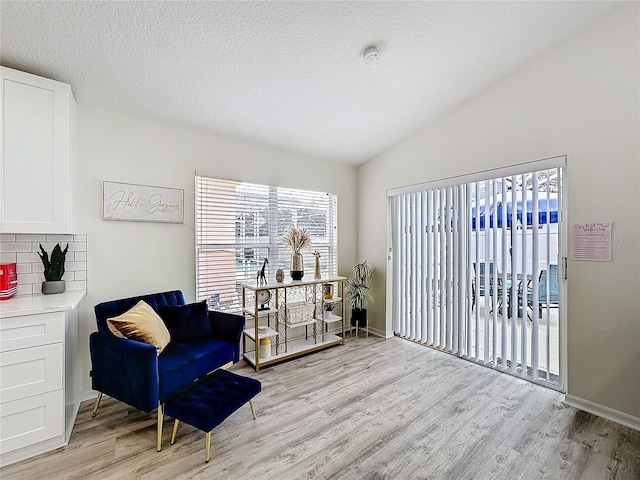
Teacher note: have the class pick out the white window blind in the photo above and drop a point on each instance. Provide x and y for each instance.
(475, 267)
(238, 224)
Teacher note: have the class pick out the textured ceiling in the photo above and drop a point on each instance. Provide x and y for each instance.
(285, 74)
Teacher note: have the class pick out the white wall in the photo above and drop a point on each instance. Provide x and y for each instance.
(131, 258)
(580, 99)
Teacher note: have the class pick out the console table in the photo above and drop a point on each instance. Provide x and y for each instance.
(316, 305)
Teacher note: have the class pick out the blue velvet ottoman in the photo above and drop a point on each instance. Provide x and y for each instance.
(210, 401)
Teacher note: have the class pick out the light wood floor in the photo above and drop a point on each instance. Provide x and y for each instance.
(371, 409)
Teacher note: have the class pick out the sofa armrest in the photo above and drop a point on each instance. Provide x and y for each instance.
(228, 326)
(124, 369)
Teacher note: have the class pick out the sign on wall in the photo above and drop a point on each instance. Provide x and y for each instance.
(591, 241)
(142, 203)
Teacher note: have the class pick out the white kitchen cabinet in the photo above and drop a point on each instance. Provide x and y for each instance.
(39, 373)
(38, 148)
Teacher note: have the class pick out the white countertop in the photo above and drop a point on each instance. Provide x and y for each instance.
(33, 304)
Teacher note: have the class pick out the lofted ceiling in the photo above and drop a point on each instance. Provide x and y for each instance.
(286, 74)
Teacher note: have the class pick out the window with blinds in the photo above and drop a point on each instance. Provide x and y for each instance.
(239, 224)
(475, 267)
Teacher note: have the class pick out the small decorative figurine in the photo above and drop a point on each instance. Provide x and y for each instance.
(317, 271)
(261, 278)
(280, 275)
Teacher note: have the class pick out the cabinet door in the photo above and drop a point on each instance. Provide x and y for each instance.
(36, 158)
(31, 371)
(31, 331)
(30, 420)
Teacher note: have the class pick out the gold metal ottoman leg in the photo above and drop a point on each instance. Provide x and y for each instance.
(253, 408)
(97, 404)
(160, 418)
(175, 430)
(207, 446)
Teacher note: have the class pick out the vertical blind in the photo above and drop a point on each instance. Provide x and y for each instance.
(475, 267)
(238, 224)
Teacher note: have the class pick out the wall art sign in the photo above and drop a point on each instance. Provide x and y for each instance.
(142, 203)
(591, 242)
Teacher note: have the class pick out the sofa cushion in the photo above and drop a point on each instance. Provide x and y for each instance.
(143, 324)
(114, 308)
(186, 322)
(183, 362)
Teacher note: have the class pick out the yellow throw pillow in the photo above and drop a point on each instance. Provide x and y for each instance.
(141, 323)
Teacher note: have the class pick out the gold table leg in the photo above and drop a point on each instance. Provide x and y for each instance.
(253, 408)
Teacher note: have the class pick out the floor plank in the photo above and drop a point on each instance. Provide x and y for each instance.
(371, 409)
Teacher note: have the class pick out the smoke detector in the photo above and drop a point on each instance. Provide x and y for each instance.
(370, 55)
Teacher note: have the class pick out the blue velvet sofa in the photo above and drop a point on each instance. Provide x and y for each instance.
(134, 373)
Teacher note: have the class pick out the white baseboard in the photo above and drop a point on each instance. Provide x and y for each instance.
(7, 458)
(602, 411)
(87, 395)
(380, 333)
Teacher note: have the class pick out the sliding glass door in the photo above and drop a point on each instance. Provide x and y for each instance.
(476, 267)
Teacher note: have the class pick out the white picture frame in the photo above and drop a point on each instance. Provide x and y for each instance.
(142, 203)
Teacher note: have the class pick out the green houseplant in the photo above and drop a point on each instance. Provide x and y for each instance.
(53, 269)
(360, 293)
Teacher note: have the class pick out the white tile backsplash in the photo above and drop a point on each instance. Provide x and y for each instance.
(15, 247)
(26, 289)
(24, 268)
(77, 285)
(31, 237)
(36, 267)
(8, 257)
(73, 266)
(78, 246)
(30, 278)
(59, 238)
(23, 250)
(28, 258)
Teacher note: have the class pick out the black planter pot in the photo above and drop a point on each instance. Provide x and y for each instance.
(296, 274)
(297, 266)
(359, 315)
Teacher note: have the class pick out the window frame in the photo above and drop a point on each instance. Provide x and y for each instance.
(256, 217)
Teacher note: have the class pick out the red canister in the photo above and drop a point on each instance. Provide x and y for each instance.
(8, 280)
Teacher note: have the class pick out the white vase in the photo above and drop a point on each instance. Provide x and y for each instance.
(265, 347)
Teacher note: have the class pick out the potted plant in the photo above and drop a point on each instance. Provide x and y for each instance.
(297, 239)
(360, 293)
(53, 269)
(328, 310)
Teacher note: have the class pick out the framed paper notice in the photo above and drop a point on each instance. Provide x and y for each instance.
(142, 203)
(591, 242)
